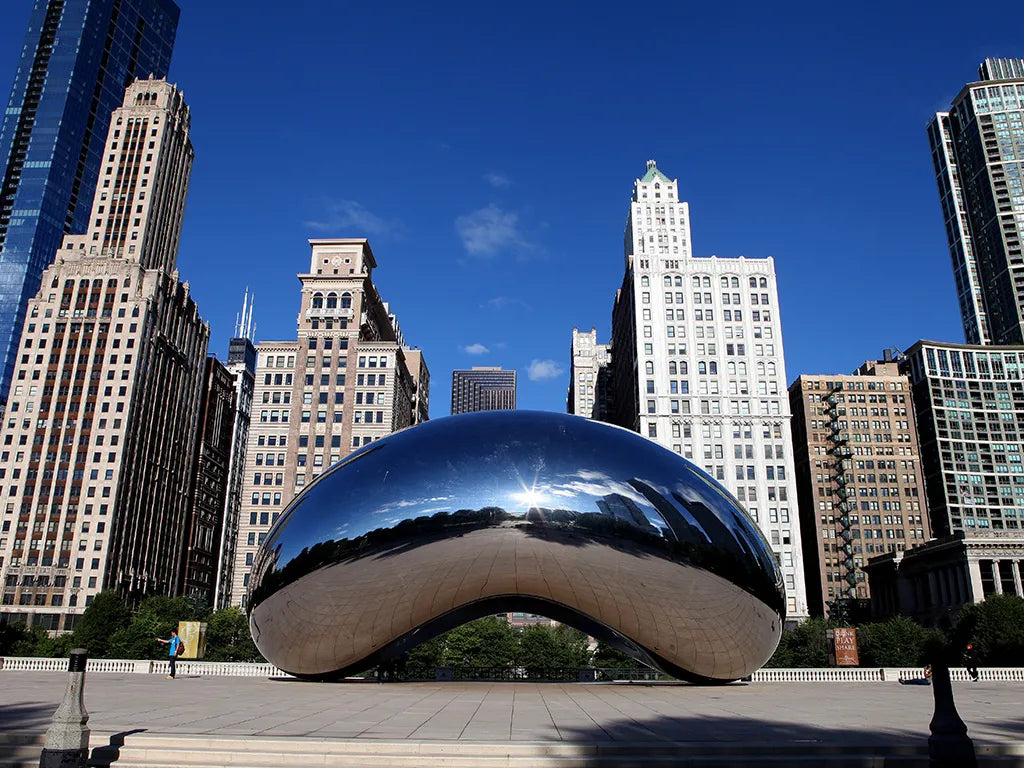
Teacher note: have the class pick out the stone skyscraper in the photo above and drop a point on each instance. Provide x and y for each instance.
(483, 388)
(76, 61)
(978, 154)
(588, 373)
(346, 381)
(859, 477)
(98, 443)
(242, 367)
(698, 365)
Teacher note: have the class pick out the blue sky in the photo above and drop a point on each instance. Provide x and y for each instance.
(488, 153)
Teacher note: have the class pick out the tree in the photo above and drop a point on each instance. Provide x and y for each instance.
(898, 642)
(156, 617)
(805, 645)
(428, 654)
(103, 617)
(607, 657)
(228, 637)
(486, 642)
(543, 646)
(11, 637)
(995, 627)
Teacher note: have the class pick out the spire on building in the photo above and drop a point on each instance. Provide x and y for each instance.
(244, 326)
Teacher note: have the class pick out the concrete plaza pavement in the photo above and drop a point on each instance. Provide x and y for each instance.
(779, 713)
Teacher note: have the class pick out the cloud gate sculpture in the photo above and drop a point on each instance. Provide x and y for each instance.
(472, 515)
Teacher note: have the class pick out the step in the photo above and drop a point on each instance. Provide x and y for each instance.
(255, 752)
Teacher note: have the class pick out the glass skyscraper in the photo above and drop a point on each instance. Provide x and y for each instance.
(978, 154)
(77, 59)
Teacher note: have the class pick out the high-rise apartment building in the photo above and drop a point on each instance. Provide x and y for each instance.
(210, 483)
(242, 367)
(483, 388)
(698, 365)
(345, 382)
(969, 401)
(77, 59)
(977, 150)
(859, 478)
(97, 447)
(589, 369)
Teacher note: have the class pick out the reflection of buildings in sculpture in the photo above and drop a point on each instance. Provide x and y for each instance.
(76, 60)
(589, 376)
(624, 508)
(107, 403)
(931, 582)
(698, 365)
(859, 475)
(348, 380)
(483, 388)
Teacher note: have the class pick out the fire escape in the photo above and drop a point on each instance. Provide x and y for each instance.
(842, 476)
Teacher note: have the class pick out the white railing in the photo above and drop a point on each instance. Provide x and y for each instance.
(246, 669)
(142, 666)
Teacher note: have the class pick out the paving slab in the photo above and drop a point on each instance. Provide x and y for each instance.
(823, 713)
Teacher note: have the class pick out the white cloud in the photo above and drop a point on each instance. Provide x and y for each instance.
(350, 218)
(504, 302)
(498, 180)
(489, 230)
(476, 349)
(539, 370)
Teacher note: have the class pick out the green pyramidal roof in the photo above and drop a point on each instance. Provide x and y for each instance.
(653, 173)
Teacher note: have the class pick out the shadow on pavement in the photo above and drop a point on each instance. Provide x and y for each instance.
(108, 754)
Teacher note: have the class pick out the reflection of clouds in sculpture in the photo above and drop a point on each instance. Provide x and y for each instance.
(590, 524)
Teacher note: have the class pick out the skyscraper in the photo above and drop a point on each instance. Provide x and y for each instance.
(698, 365)
(589, 368)
(483, 388)
(969, 402)
(242, 367)
(859, 478)
(978, 154)
(77, 60)
(98, 443)
(346, 381)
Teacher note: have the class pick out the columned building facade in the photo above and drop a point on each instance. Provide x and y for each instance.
(698, 365)
(860, 485)
(932, 582)
(98, 443)
(345, 382)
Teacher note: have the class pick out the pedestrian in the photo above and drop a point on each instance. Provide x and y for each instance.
(971, 662)
(176, 648)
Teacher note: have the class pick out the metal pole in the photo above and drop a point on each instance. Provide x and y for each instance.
(949, 744)
(67, 739)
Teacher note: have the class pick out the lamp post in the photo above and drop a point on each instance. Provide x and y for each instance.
(67, 738)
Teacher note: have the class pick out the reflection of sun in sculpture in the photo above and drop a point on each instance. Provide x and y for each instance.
(544, 513)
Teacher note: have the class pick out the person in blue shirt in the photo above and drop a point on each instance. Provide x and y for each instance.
(174, 642)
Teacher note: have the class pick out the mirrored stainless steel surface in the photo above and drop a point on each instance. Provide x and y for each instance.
(483, 513)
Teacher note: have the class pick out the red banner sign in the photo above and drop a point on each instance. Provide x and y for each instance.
(846, 647)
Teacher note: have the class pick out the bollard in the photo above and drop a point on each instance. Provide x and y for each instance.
(949, 744)
(67, 738)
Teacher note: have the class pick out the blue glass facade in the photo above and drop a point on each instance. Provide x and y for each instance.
(77, 58)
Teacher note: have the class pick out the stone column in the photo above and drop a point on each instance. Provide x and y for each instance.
(974, 574)
(1015, 568)
(67, 738)
(997, 580)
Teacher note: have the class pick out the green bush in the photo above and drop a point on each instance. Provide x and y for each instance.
(995, 627)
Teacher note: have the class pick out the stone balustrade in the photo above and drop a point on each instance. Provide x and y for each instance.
(243, 669)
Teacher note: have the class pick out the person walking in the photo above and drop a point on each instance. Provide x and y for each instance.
(971, 662)
(174, 644)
